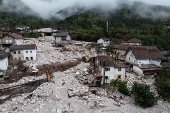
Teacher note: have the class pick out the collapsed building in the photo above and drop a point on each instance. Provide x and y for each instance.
(103, 69)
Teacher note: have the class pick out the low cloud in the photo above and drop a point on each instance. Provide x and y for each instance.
(48, 8)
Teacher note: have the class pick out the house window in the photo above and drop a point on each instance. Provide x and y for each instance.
(129, 58)
(19, 58)
(30, 51)
(14, 52)
(19, 52)
(26, 58)
(26, 51)
(107, 69)
(106, 77)
(119, 77)
(119, 69)
(31, 58)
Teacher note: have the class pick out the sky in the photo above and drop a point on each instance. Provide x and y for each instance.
(48, 7)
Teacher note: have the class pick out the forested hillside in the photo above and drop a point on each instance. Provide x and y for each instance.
(123, 24)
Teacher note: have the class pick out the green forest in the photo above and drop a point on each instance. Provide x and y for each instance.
(123, 24)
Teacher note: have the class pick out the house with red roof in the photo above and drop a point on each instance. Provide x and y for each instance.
(145, 59)
(133, 41)
(11, 39)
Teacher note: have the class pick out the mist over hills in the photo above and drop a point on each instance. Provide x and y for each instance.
(63, 9)
(88, 23)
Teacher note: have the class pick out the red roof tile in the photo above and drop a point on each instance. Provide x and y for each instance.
(16, 36)
(146, 52)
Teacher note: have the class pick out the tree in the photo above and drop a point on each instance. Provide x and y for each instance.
(122, 87)
(143, 96)
(163, 83)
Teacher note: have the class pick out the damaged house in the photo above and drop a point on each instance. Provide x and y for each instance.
(23, 52)
(120, 50)
(146, 60)
(108, 68)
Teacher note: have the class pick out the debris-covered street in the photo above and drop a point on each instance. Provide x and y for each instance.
(54, 97)
(66, 93)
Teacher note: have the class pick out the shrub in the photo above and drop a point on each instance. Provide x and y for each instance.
(31, 35)
(143, 96)
(122, 87)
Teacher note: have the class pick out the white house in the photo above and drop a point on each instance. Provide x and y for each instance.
(3, 63)
(104, 41)
(110, 69)
(144, 58)
(62, 37)
(23, 52)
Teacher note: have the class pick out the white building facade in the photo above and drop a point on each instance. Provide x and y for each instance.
(29, 54)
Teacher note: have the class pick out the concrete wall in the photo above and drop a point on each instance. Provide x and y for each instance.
(145, 61)
(156, 62)
(68, 37)
(58, 40)
(42, 34)
(4, 64)
(137, 70)
(19, 41)
(27, 53)
(18, 56)
(130, 58)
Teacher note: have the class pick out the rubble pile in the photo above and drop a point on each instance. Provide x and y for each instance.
(132, 77)
(47, 54)
(54, 98)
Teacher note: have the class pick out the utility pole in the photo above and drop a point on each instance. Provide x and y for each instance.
(103, 72)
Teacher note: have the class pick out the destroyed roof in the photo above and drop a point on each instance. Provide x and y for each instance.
(122, 46)
(146, 52)
(61, 35)
(133, 40)
(107, 61)
(22, 47)
(14, 35)
(3, 55)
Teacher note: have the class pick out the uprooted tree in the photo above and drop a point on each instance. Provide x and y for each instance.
(143, 96)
